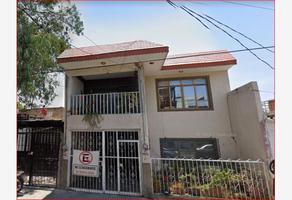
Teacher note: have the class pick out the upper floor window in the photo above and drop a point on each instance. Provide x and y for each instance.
(184, 94)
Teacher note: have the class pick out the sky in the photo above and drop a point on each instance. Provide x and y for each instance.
(157, 21)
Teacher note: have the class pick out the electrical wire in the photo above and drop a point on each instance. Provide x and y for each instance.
(249, 5)
(247, 37)
(226, 32)
(185, 56)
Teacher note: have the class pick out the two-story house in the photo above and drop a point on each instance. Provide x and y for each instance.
(132, 101)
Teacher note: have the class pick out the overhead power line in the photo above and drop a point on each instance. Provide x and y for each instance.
(176, 6)
(89, 39)
(234, 38)
(247, 37)
(185, 56)
(176, 57)
(249, 5)
(226, 32)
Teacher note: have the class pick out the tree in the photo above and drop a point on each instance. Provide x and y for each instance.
(44, 31)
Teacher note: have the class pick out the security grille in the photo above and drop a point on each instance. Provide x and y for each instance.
(38, 151)
(119, 161)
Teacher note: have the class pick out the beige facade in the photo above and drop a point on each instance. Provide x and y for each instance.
(192, 124)
(249, 123)
(223, 122)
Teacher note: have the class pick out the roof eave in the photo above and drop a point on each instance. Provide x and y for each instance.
(163, 49)
(199, 65)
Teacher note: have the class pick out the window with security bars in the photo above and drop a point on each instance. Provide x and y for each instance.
(184, 94)
(204, 148)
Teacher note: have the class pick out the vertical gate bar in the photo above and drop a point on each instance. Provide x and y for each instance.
(79, 148)
(72, 105)
(233, 182)
(107, 104)
(195, 175)
(86, 145)
(95, 104)
(94, 147)
(70, 176)
(90, 105)
(238, 180)
(76, 146)
(85, 104)
(98, 103)
(103, 104)
(225, 183)
(251, 178)
(79, 104)
(125, 102)
(122, 102)
(229, 182)
(241, 171)
(82, 104)
(130, 102)
(137, 102)
(118, 164)
(76, 105)
(191, 178)
(114, 99)
(103, 161)
(133, 166)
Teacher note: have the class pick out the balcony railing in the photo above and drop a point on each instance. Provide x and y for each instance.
(106, 103)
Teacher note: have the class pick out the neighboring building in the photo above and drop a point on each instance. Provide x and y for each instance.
(152, 105)
(56, 113)
(269, 110)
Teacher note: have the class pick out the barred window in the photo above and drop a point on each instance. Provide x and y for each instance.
(189, 148)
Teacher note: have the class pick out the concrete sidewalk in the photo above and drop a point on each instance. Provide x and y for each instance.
(52, 193)
(41, 193)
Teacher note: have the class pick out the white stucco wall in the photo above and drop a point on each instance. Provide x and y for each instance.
(109, 122)
(74, 87)
(270, 125)
(248, 122)
(192, 124)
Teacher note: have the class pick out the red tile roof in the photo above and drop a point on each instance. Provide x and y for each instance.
(137, 47)
(196, 60)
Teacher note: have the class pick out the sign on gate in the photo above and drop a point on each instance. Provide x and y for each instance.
(85, 163)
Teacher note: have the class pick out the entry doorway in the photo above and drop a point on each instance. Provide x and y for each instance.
(118, 163)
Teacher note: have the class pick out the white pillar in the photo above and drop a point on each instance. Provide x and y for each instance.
(147, 185)
(142, 90)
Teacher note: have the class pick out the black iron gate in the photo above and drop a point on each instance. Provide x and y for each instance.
(38, 145)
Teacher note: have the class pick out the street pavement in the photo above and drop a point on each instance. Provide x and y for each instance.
(41, 193)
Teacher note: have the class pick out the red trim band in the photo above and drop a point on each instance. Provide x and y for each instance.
(113, 54)
(198, 65)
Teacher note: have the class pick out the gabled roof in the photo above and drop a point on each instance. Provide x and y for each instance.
(197, 60)
(137, 47)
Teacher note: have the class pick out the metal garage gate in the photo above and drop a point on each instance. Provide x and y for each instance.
(118, 164)
(38, 143)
